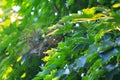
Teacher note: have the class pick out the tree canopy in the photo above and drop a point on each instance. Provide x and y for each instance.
(59, 40)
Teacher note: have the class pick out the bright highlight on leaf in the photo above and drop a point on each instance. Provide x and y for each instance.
(1, 29)
(46, 58)
(55, 79)
(23, 75)
(9, 69)
(89, 11)
(16, 8)
(19, 58)
(49, 51)
(4, 2)
(95, 17)
(1, 11)
(6, 23)
(116, 5)
(4, 76)
(13, 19)
(7, 53)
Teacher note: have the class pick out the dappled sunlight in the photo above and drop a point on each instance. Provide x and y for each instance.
(1, 11)
(16, 8)
(59, 40)
(9, 16)
(3, 2)
(8, 71)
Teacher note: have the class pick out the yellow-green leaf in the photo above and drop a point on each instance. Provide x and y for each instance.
(89, 11)
(19, 58)
(23, 75)
(116, 5)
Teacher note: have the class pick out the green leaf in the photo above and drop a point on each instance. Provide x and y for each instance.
(69, 3)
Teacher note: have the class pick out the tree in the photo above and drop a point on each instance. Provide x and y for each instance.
(61, 40)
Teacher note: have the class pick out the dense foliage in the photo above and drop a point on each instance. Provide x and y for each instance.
(59, 40)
